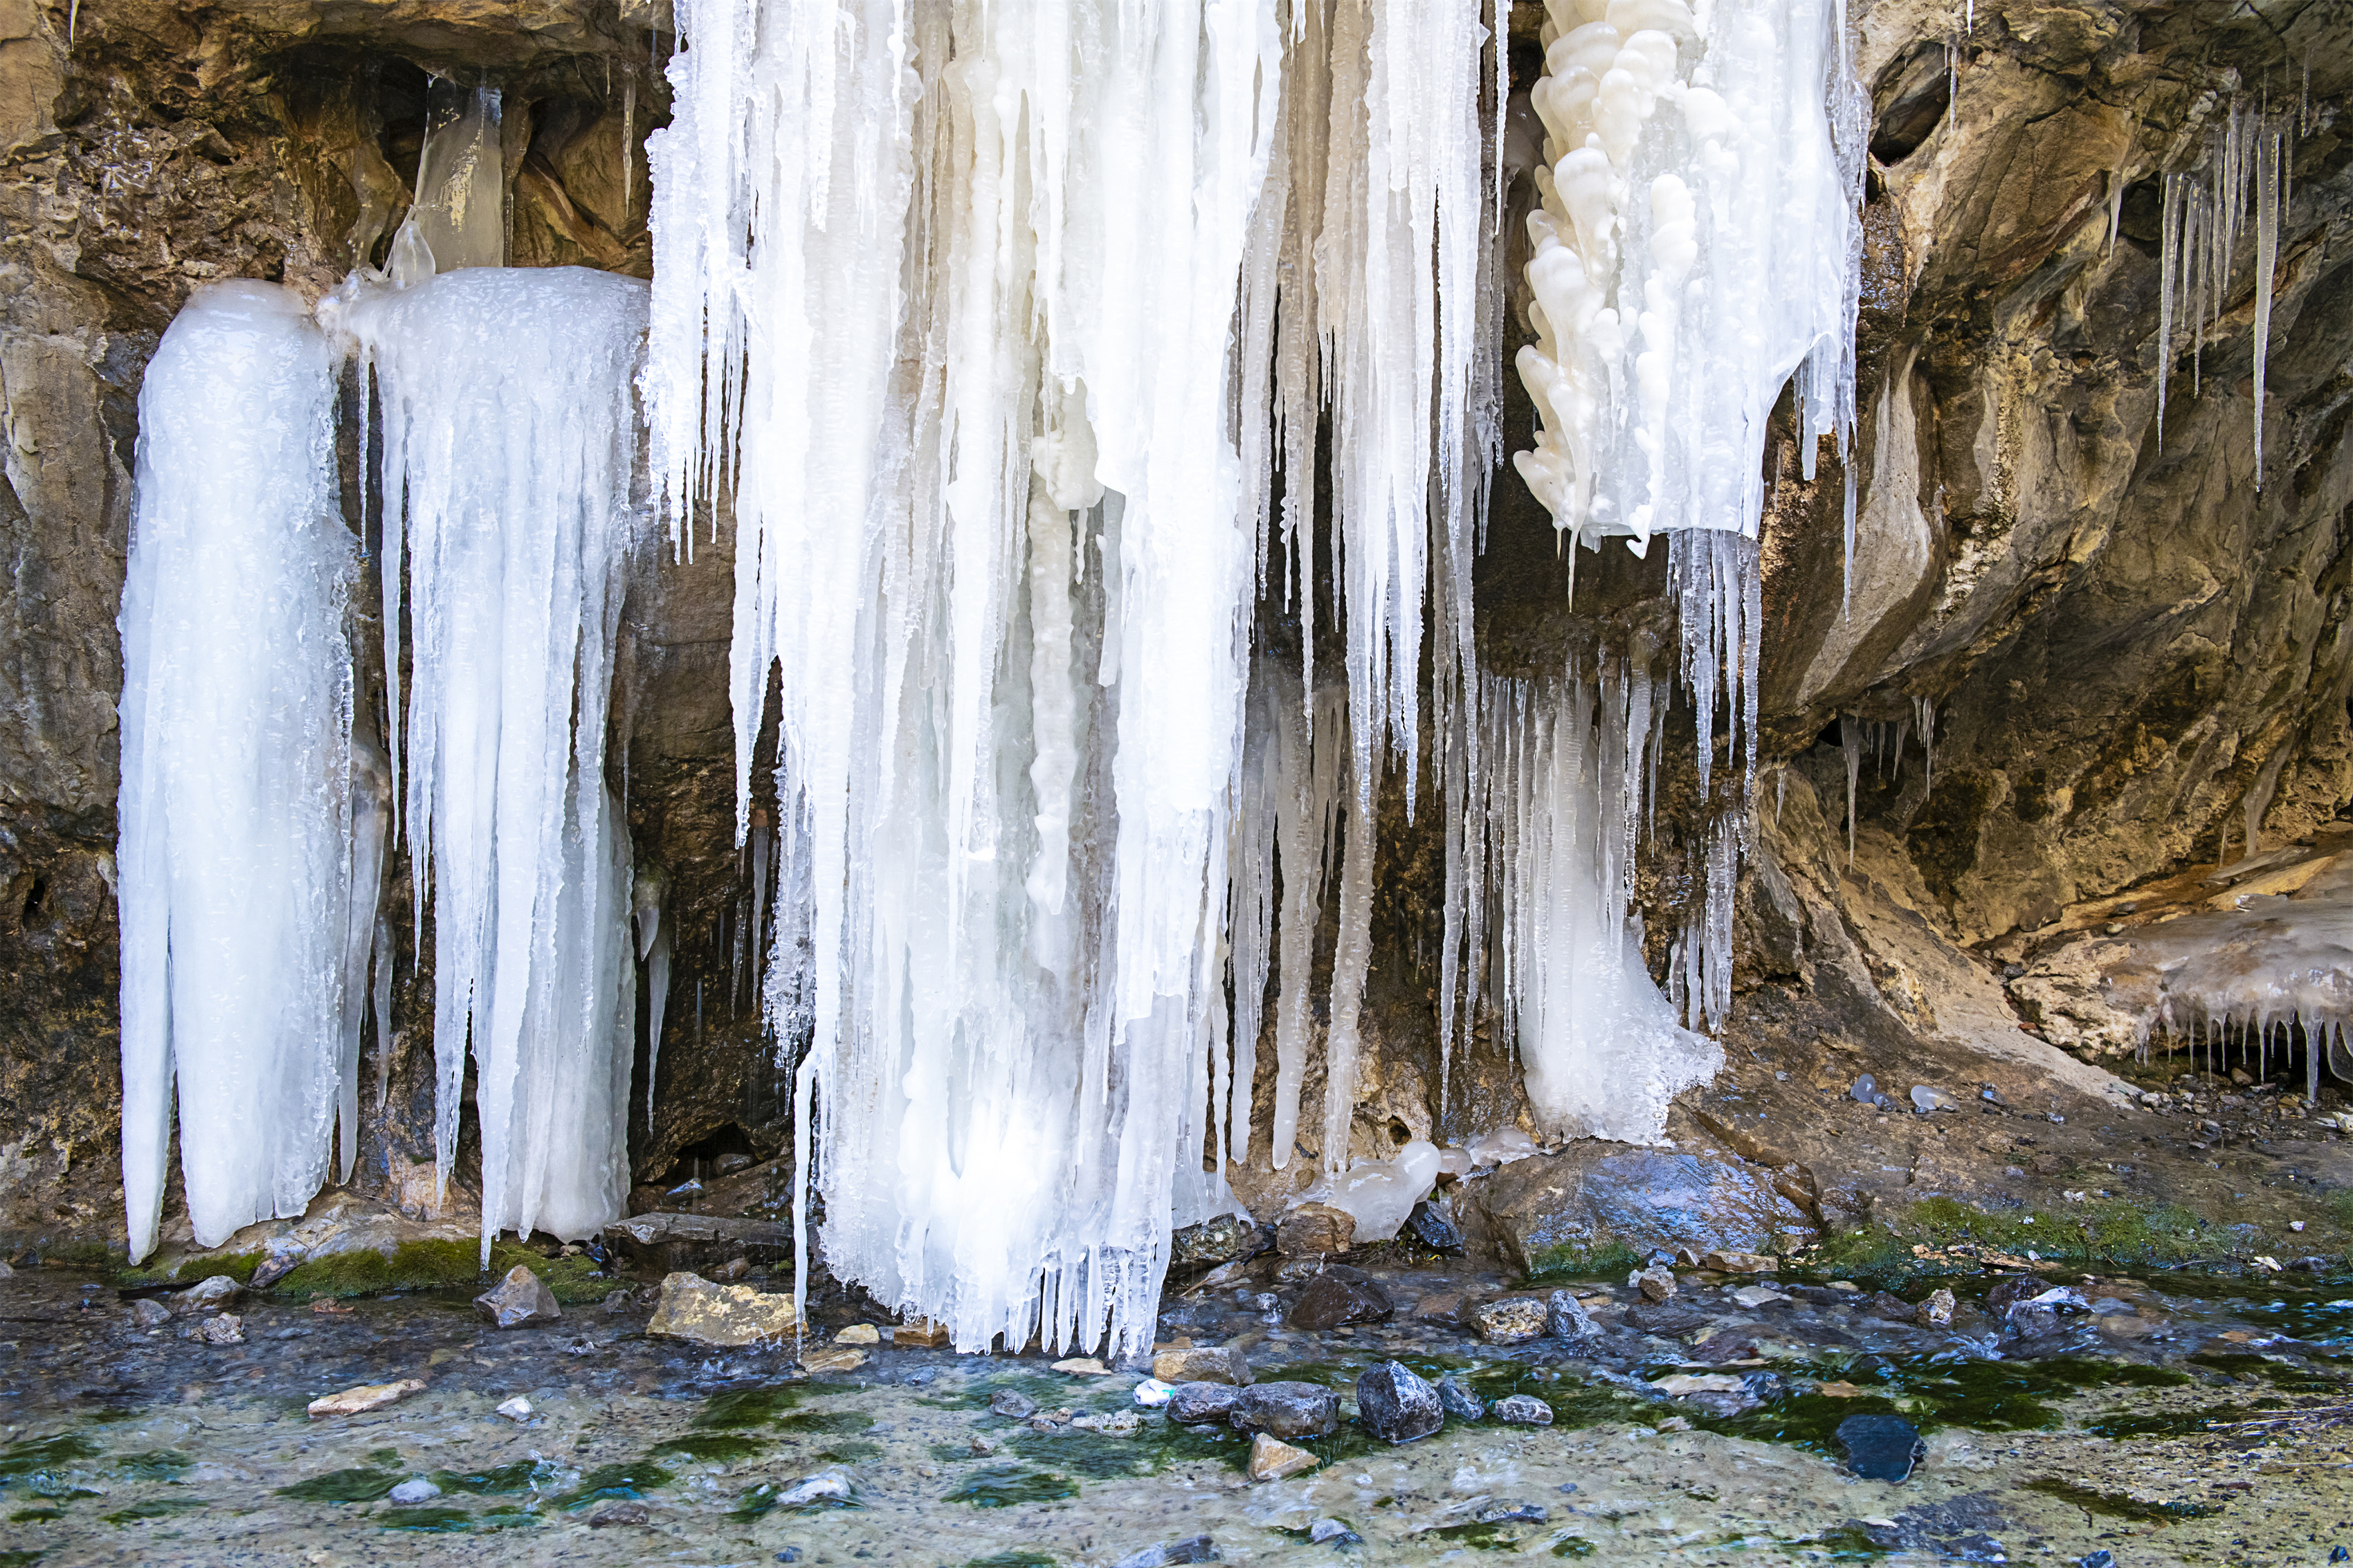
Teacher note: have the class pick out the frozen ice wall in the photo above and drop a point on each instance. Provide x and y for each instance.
(505, 445)
(250, 844)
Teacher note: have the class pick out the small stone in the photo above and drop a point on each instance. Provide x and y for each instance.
(691, 1307)
(1287, 1410)
(2031, 1319)
(227, 1329)
(367, 1396)
(1200, 1403)
(981, 1447)
(1112, 1424)
(1838, 1390)
(1566, 1317)
(1655, 1284)
(859, 1335)
(2296, 1225)
(633, 1513)
(1432, 1224)
(1331, 1532)
(832, 1358)
(733, 1269)
(1754, 1296)
(832, 1485)
(2010, 1290)
(1880, 1448)
(1271, 1460)
(1521, 1410)
(517, 1409)
(921, 1334)
(1082, 1366)
(147, 1314)
(1395, 1405)
(206, 1295)
(1938, 1307)
(1314, 1230)
(2104, 1558)
(1514, 1320)
(1338, 1297)
(1446, 1309)
(1740, 1263)
(1683, 1384)
(1458, 1401)
(1990, 1095)
(415, 1489)
(1514, 1513)
(1196, 1549)
(521, 1300)
(1221, 1239)
(1012, 1403)
(1926, 1097)
(1202, 1364)
(1893, 1309)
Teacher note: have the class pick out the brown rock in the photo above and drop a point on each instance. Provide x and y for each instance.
(1740, 1262)
(1338, 1297)
(521, 1300)
(1314, 1230)
(1273, 1461)
(1514, 1320)
(926, 1333)
(691, 1307)
(367, 1396)
(1202, 1363)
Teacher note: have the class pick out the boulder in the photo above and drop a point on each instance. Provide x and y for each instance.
(1550, 1208)
(1397, 1405)
(691, 1307)
(1286, 1410)
(521, 1300)
(1337, 1296)
(1202, 1364)
(206, 1295)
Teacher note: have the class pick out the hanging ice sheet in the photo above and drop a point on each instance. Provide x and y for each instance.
(507, 440)
(247, 879)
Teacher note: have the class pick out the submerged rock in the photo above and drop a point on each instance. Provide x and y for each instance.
(1194, 1549)
(1938, 1307)
(1458, 1401)
(1271, 1460)
(521, 1300)
(2008, 1291)
(1332, 1532)
(1338, 1297)
(1013, 1403)
(367, 1396)
(1199, 1404)
(832, 1484)
(1115, 1423)
(207, 1295)
(147, 1314)
(517, 1409)
(691, 1307)
(1395, 1405)
(415, 1489)
(619, 1513)
(227, 1329)
(1284, 1410)
(1202, 1364)
(1880, 1448)
(1521, 1410)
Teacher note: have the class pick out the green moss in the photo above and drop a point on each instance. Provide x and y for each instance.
(32, 1516)
(1609, 1260)
(20, 1559)
(1010, 1485)
(345, 1486)
(154, 1507)
(34, 1454)
(156, 1465)
(2111, 1231)
(455, 1521)
(616, 1483)
(238, 1266)
(709, 1447)
(1012, 1560)
(2116, 1505)
(744, 1407)
(441, 1264)
(500, 1480)
(1572, 1546)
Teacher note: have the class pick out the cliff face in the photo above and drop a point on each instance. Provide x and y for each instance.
(2125, 641)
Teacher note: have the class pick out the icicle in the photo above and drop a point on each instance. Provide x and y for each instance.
(382, 1009)
(628, 144)
(237, 858)
(371, 820)
(458, 218)
(1925, 708)
(1851, 742)
(508, 440)
(2267, 227)
(647, 887)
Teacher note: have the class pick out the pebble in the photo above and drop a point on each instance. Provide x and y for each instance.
(1395, 1405)
(859, 1335)
(1655, 1284)
(1461, 1402)
(1115, 1423)
(1286, 1410)
(1195, 1549)
(1938, 1307)
(416, 1489)
(1200, 1403)
(1272, 1460)
(1337, 1296)
(1512, 1320)
(1219, 1240)
(516, 1409)
(521, 1300)
(1566, 1317)
(1521, 1410)
(815, 1489)
(635, 1513)
(1514, 1513)
(1326, 1532)
(367, 1396)
(1880, 1448)
(146, 1314)
(1201, 1363)
(227, 1329)
(206, 1295)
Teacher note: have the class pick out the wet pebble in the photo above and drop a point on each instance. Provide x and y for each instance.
(1012, 1403)
(1880, 1448)
(1566, 1319)
(1395, 1405)
(1458, 1401)
(635, 1513)
(1332, 1532)
(415, 1489)
(1511, 1321)
(1201, 1363)
(1199, 1404)
(1432, 1223)
(1195, 1549)
(815, 1489)
(1286, 1410)
(521, 1300)
(150, 1314)
(1337, 1296)
(1271, 1460)
(1521, 1410)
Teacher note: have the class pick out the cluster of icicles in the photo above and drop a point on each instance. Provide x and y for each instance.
(257, 805)
(1015, 338)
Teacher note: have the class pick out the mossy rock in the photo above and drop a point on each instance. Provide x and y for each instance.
(438, 1265)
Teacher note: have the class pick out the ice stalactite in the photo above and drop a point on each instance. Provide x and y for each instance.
(458, 218)
(1601, 1052)
(242, 880)
(2203, 220)
(649, 887)
(507, 443)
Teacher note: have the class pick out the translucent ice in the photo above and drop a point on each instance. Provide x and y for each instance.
(1380, 1194)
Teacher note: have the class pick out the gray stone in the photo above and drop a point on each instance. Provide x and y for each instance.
(1514, 1513)
(521, 1300)
(1521, 1410)
(830, 1487)
(1013, 1403)
(2010, 1290)
(1395, 1405)
(1332, 1532)
(1460, 1402)
(1514, 1320)
(1286, 1410)
(415, 1489)
(1880, 1448)
(1194, 1549)
(1585, 1197)
(1202, 1404)
(1655, 1284)
(1202, 1364)
(1218, 1240)
(1893, 1309)
(223, 1329)
(1432, 1224)
(1339, 1295)
(207, 1295)
(619, 1513)
(1566, 1319)
(150, 1314)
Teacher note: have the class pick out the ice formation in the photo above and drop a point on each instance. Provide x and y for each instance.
(2203, 223)
(458, 218)
(251, 834)
(506, 440)
(1380, 1194)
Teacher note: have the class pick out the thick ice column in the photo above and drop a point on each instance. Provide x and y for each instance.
(508, 439)
(459, 217)
(238, 862)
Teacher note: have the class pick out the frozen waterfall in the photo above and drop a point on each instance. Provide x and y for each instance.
(250, 842)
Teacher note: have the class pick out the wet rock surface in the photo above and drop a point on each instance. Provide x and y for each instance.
(1395, 1406)
(521, 1300)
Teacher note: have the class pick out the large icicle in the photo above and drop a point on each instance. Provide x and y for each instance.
(509, 434)
(238, 862)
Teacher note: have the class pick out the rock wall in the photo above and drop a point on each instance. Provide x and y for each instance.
(2124, 645)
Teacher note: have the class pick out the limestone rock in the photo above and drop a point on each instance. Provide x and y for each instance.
(1202, 1404)
(1286, 1410)
(691, 1307)
(1337, 1296)
(206, 1295)
(832, 1358)
(1395, 1405)
(858, 1334)
(1271, 1460)
(1202, 1364)
(1566, 1317)
(1521, 1410)
(366, 1397)
(1514, 1320)
(1592, 1195)
(1458, 1401)
(1314, 1230)
(521, 1300)
(1740, 1262)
